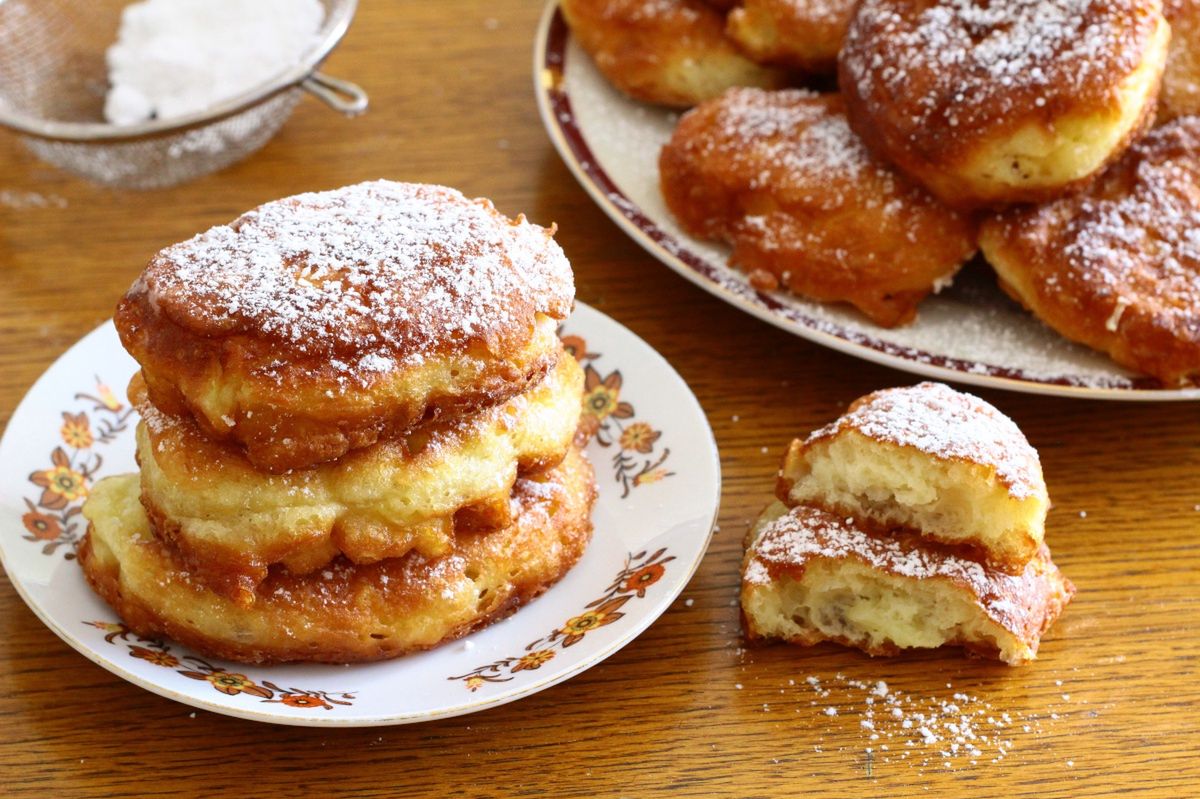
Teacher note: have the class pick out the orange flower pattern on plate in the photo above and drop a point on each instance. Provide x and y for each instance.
(221, 680)
(641, 571)
(76, 432)
(606, 419)
(52, 520)
(643, 578)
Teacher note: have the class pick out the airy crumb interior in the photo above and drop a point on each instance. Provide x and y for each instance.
(952, 501)
(870, 609)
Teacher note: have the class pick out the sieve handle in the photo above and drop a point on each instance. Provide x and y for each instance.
(340, 95)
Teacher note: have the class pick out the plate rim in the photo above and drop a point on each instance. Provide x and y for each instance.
(545, 84)
(265, 716)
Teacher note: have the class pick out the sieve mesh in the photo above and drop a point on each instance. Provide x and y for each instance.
(52, 71)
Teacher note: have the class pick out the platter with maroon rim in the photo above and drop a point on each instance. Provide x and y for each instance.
(969, 333)
(659, 485)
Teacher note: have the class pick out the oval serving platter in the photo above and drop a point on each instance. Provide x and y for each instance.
(970, 333)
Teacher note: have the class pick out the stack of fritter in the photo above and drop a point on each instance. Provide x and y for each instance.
(358, 432)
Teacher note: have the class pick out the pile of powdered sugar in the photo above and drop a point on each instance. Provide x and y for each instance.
(178, 57)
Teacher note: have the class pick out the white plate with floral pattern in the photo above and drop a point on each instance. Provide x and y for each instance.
(970, 333)
(659, 487)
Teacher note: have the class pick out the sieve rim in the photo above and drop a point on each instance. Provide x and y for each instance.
(332, 31)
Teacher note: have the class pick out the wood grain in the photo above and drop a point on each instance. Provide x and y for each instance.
(684, 710)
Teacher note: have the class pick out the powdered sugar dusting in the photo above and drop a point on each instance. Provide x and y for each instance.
(973, 63)
(801, 136)
(371, 273)
(946, 424)
(1143, 244)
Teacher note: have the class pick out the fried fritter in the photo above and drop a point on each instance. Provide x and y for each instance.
(782, 178)
(321, 323)
(1117, 266)
(811, 576)
(669, 52)
(232, 522)
(987, 103)
(345, 612)
(928, 458)
(799, 34)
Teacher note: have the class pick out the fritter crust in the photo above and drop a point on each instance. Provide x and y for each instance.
(782, 178)
(231, 522)
(668, 52)
(1117, 267)
(345, 613)
(320, 323)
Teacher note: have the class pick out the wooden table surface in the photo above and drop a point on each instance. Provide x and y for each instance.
(685, 710)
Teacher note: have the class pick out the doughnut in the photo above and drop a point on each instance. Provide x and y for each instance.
(346, 612)
(932, 459)
(668, 52)
(1117, 267)
(987, 103)
(231, 522)
(798, 34)
(321, 323)
(1180, 94)
(780, 176)
(811, 576)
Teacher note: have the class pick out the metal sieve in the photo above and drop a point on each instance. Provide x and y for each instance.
(53, 81)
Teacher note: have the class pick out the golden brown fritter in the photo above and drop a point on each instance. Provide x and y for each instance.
(669, 52)
(1180, 94)
(987, 103)
(932, 459)
(798, 34)
(346, 612)
(318, 324)
(231, 522)
(1117, 267)
(811, 576)
(782, 178)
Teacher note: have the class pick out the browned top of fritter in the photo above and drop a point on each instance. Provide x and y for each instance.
(671, 52)
(782, 177)
(364, 278)
(1023, 604)
(1180, 94)
(944, 424)
(1118, 265)
(944, 73)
